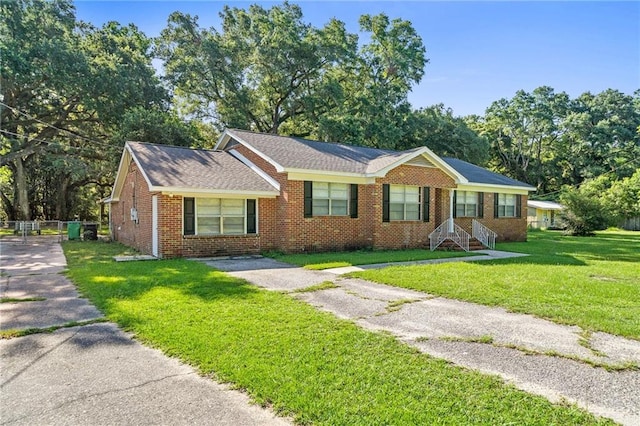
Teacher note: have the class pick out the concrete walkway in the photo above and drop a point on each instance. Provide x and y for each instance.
(93, 374)
(535, 355)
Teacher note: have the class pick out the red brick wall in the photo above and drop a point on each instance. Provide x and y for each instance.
(174, 244)
(507, 228)
(282, 225)
(409, 234)
(135, 193)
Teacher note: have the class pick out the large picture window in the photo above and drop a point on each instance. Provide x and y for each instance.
(218, 216)
(330, 199)
(507, 205)
(404, 202)
(466, 204)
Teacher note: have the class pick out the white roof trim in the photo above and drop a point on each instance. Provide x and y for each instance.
(228, 134)
(432, 157)
(123, 167)
(255, 168)
(475, 186)
(544, 205)
(176, 190)
(146, 178)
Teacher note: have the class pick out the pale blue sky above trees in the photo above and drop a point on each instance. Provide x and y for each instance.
(479, 52)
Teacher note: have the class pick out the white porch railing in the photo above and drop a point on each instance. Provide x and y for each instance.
(448, 230)
(483, 234)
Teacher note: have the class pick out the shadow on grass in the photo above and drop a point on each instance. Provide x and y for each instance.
(106, 282)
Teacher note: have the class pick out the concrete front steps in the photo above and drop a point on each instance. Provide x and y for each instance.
(449, 245)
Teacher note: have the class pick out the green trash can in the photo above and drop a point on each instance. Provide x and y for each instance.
(73, 230)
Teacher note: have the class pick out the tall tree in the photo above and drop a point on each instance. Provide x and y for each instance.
(523, 131)
(65, 84)
(264, 68)
(447, 135)
(600, 135)
(374, 107)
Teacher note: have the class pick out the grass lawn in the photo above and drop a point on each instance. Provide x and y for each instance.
(592, 282)
(286, 354)
(361, 257)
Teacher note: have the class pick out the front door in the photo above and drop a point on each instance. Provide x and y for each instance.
(154, 225)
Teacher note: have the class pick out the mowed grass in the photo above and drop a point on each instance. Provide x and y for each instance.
(284, 353)
(592, 282)
(329, 260)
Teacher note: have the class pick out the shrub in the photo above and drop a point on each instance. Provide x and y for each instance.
(585, 211)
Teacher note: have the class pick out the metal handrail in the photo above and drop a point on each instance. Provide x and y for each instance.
(483, 234)
(449, 230)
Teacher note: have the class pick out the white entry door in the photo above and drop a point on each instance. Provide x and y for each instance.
(154, 225)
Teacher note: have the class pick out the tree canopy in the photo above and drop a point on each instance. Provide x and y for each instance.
(65, 88)
(72, 94)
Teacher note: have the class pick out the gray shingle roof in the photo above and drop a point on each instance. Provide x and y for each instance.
(477, 174)
(298, 153)
(179, 167)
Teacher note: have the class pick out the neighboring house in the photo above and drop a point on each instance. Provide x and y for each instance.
(544, 214)
(258, 192)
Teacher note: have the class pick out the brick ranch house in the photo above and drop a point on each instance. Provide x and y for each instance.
(257, 192)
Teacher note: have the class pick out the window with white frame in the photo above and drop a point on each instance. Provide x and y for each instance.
(507, 205)
(215, 216)
(404, 202)
(330, 199)
(466, 204)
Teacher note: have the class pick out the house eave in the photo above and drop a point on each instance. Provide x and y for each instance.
(221, 193)
(228, 135)
(429, 155)
(488, 187)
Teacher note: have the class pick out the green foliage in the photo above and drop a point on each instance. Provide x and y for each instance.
(588, 208)
(623, 197)
(264, 68)
(69, 85)
(303, 363)
(592, 283)
(548, 140)
(523, 132)
(437, 128)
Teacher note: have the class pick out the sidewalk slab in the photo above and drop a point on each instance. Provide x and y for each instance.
(534, 354)
(98, 375)
(94, 374)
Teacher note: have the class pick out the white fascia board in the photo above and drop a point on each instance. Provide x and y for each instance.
(224, 139)
(255, 169)
(324, 176)
(218, 193)
(431, 156)
(121, 174)
(144, 174)
(486, 187)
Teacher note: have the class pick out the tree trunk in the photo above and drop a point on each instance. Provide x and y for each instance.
(61, 199)
(7, 206)
(20, 179)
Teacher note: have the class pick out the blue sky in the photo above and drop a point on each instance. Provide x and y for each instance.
(479, 52)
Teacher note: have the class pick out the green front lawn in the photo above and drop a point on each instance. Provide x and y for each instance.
(592, 282)
(286, 354)
(362, 257)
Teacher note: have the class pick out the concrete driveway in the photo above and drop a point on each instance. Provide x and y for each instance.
(535, 355)
(93, 374)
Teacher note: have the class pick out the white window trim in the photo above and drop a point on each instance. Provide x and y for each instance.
(404, 204)
(221, 217)
(458, 203)
(502, 205)
(329, 184)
